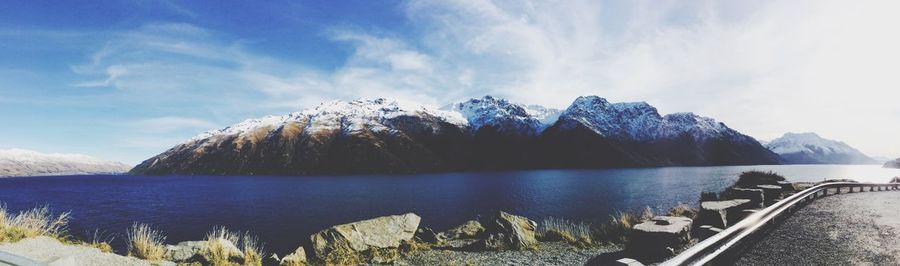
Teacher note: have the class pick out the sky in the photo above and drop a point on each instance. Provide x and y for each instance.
(127, 79)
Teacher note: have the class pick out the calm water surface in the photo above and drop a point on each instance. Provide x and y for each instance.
(284, 211)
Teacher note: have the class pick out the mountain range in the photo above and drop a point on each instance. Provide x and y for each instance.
(810, 148)
(488, 133)
(19, 162)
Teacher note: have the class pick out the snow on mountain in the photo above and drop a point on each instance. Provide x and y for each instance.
(501, 114)
(811, 148)
(348, 117)
(637, 120)
(20, 162)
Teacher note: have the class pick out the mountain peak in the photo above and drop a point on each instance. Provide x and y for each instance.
(505, 116)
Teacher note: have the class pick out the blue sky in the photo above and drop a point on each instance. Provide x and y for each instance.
(125, 80)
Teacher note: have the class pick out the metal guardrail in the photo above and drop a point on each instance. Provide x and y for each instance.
(16, 260)
(722, 248)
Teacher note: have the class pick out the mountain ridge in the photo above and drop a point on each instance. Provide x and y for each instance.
(810, 148)
(21, 162)
(488, 133)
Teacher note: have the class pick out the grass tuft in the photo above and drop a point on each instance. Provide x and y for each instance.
(618, 227)
(145, 242)
(683, 210)
(562, 230)
(31, 223)
(219, 253)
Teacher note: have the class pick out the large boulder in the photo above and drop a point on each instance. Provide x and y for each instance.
(722, 213)
(469, 229)
(374, 240)
(755, 195)
(659, 237)
(199, 251)
(508, 232)
(772, 193)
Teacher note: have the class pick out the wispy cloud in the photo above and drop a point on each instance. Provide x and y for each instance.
(762, 67)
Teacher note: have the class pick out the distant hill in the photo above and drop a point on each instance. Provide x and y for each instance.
(488, 133)
(810, 148)
(892, 164)
(19, 162)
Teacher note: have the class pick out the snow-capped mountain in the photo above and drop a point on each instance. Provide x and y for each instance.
(19, 162)
(638, 121)
(384, 136)
(810, 148)
(892, 164)
(635, 134)
(345, 117)
(504, 116)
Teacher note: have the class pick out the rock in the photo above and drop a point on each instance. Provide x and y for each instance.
(659, 237)
(706, 231)
(786, 186)
(186, 251)
(771, 192)
(373, 240)
(628, 262)
(508, 232)
(755, 195)
(199, 251)
(719, 213)
(297, 258)
(49, 251)
(470, 229)
(426, 235)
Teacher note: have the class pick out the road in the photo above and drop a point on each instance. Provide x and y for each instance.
(845, 229)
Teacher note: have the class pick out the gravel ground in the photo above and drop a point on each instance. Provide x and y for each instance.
(846, 229)
(546, 254)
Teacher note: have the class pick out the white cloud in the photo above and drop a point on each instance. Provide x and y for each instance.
(762, 67)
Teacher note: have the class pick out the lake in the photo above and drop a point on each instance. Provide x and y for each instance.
(285, 211)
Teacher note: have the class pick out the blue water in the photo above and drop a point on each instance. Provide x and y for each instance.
(285, 211)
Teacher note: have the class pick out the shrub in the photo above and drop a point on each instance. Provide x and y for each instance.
(145, 242)
(32, 223)
(754, 178)
(557, 229)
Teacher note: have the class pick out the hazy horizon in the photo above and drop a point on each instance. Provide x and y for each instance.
(126, 80)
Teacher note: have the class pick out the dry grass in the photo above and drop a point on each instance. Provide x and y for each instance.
(558, 229)
(99, 241)
(145, 242)
(31, 223)
(219, 253)
(683, 210)
(618, 228)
